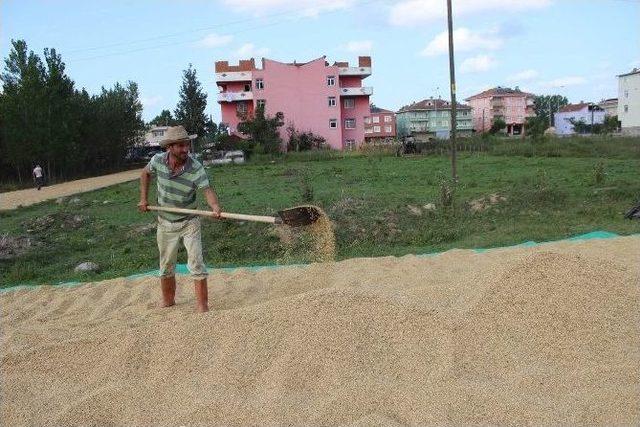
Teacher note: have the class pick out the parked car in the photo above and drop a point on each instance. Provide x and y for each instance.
(142, 154)
(235, 157)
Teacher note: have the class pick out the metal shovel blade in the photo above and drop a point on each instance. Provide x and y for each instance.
(299, 216)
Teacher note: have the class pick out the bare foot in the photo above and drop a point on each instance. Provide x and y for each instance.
(202, 308)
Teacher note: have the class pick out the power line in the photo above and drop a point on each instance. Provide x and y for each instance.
(212, 27)
(159, 46)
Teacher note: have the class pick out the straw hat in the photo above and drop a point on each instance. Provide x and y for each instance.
(175, 134)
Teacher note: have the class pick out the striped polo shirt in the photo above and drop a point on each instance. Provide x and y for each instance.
(179, 190)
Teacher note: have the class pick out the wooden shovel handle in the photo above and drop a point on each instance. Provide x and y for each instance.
(226, 215)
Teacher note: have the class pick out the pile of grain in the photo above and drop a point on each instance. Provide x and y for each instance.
(539, 336)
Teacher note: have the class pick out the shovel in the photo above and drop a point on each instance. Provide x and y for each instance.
(293, 217)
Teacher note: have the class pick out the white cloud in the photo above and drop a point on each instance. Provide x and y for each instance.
(415, 12)
(477, 64)
(464, 40)
(304, 7)
(523, 76)
(564, 81)
(359, 46)
(248, 50)
(214, 40)
(150, 101)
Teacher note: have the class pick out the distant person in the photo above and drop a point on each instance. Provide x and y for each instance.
(179, 177)
(38, 177)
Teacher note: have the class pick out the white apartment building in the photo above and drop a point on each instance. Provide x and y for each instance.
(629, 102)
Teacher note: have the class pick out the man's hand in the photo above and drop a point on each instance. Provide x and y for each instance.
(215, 211)
(143, 206)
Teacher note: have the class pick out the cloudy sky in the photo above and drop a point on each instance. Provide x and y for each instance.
(571, 47)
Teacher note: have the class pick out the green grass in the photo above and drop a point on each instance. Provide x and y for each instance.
(367, 197)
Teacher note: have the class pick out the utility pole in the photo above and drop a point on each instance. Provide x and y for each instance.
(452, 76)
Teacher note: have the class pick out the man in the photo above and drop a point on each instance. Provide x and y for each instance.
(37, 176)
(179, 176)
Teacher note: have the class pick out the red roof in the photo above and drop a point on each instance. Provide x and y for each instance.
(432, 104)
(376, 110)
(500, 91)
(573, 107)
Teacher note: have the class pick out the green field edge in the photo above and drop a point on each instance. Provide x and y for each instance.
(181, 269)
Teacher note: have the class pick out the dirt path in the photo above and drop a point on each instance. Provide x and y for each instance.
(548, 335)
(14, 199)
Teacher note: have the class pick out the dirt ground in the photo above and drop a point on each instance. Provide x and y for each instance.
(548, 335)
(13, 199)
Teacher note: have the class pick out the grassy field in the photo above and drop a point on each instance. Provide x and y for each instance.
(376, 201)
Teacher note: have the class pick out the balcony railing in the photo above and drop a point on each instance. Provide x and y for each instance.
(234, 96)
(354, 71)
(234, 76)
(356, 91)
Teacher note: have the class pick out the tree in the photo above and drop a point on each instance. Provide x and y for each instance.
(497, 126)
(545, 105)
(23, 112)
(193, 101)
(610, 124)
(163, 119)
(45, 120)
(263, 130)
(535, 126)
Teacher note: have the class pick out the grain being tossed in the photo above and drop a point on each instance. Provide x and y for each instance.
(179, 178)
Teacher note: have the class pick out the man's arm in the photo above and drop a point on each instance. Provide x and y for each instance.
(145, 177)
(212, 201)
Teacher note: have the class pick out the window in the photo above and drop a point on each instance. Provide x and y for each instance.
(349, 103)
(331, 81)
(350, 144)
(261, 103)
(387, 129)
(626, 93)
(350, 123)
(376, 129)
(247, 87)
(332, 101)
(333, 123)
(241, 107)
(376, 119)
(367, 120)
(387, 119)
(259, 84)
(626, 108)
(367, 130)
(157, 133)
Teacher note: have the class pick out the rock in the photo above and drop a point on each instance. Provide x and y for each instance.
(143, 229)
(14, 246)
(429, 207)
(61, 200)
(86, 266)
(74, 201)
(106, 202)
(415, 210)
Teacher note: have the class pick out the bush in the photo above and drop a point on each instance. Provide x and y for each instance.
(599, 172)
(498, 125)
(304, 141)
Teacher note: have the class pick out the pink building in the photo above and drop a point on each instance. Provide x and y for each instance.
(511, 105)
(328, 100)
(380, 125)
